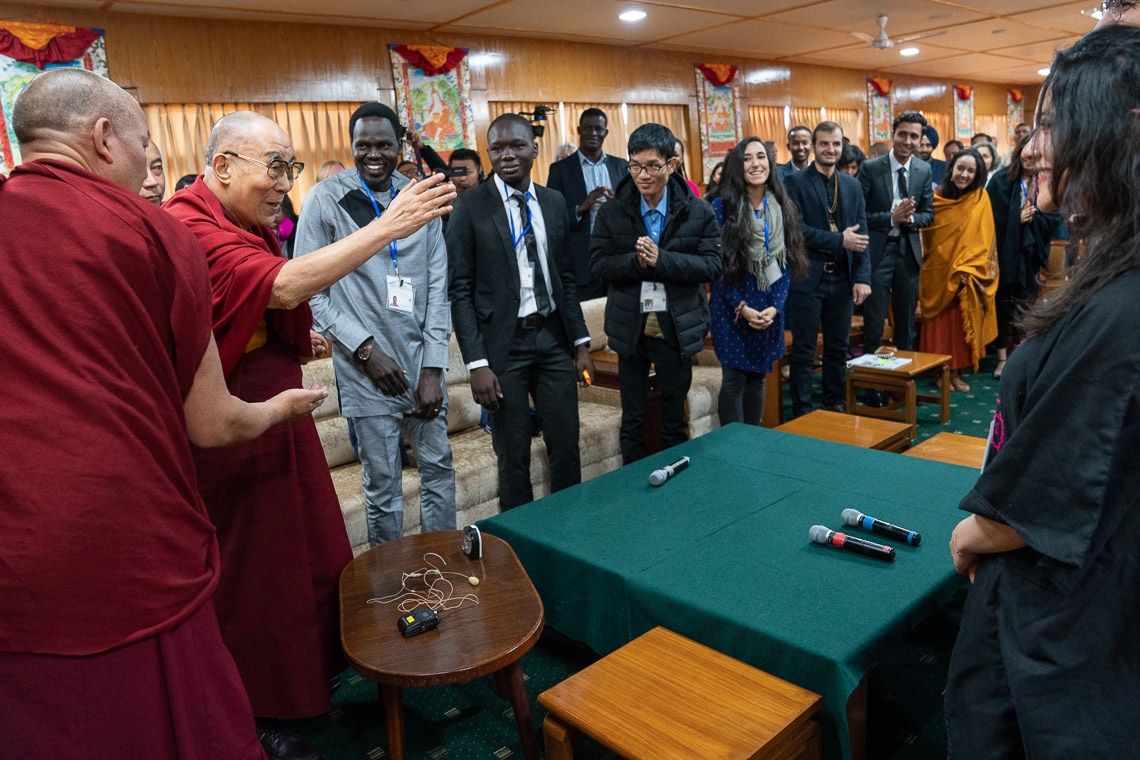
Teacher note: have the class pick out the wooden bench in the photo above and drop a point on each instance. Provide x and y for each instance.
(665, 697)
(900, 382)
(865, 432)
(952, 448)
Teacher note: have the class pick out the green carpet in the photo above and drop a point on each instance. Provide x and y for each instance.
(469, 721)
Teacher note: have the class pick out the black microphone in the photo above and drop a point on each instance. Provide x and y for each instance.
(857, 519)
(657, 477)
(821, 535)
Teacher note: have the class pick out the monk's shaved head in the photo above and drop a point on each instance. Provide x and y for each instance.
(65, 103)
(241, 132)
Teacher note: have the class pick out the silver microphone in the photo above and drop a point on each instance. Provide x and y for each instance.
(657, 477)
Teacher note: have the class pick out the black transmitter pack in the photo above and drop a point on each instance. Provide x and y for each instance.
(416, 622)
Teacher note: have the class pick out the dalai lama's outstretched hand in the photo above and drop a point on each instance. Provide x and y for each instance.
(417, 204)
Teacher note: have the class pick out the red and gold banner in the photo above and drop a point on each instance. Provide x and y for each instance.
(433, 60)
(718, 112)
(879, 108)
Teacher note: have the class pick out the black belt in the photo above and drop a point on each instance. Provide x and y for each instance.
(533, 321)
(832, 267)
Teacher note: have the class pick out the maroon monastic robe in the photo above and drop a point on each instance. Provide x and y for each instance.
(108, 641)
(282, 536)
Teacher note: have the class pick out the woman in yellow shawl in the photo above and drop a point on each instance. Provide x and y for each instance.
(959, 269)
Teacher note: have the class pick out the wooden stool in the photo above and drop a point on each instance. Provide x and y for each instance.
(952, 448)
(863, 432)
(901, 381)
(665, 697)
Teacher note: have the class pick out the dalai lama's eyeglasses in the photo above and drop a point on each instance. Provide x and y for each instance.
(1116, 8)
(275, 168)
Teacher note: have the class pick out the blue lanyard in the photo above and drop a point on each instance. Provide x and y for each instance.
(393, 246)
(1024, 191)
(755, 213)
(529, 224)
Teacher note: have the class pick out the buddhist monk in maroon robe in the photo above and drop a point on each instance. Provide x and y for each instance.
(109, 645)
(280, 528)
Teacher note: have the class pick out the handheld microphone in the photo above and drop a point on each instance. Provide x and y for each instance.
(657, 477)
(857, 519)
(821, 535)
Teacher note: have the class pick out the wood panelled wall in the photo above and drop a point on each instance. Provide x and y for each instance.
(186, 60)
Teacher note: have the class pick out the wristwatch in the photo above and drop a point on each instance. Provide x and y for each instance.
(365, 351)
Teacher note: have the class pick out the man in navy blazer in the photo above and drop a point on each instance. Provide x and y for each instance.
(898, 191)
(835, 234)
(587, 178)
(515, 311)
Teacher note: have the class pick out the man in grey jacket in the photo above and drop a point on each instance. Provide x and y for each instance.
(390, 322)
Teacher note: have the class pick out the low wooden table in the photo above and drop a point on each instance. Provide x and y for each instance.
(665, 697)
(952, 448)
(471, 641)
(863, 432)
(901, 382)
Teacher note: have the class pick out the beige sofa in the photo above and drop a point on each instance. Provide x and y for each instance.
(476, 473)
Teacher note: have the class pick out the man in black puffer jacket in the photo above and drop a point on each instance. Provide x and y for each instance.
(655, 245)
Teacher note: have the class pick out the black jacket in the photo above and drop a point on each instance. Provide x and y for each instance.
(1022, 249)
(689, 257)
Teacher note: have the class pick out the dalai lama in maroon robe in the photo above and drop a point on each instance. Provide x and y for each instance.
(109, 646)
(282, 536)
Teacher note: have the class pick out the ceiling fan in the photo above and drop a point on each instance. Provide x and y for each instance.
(883, 41)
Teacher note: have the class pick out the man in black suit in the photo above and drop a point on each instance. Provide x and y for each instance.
(835, 235)
(899, 194)
(515, 311)
(587, 179)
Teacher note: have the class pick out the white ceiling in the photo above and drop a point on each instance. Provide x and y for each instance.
(1004, 41)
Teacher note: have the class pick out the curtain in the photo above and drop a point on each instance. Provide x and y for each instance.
(319, 132)
(767, 123)
(622, 119)
(773, 123)
(997, 127)
(854, 123)
(944, 124)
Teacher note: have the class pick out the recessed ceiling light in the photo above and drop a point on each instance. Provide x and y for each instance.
(1097, 14)
(1043, 72)
(908, 52)
(632, 16)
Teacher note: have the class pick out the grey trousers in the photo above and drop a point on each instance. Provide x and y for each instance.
(380, 438)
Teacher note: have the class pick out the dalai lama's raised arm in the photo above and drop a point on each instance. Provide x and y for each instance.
(215, 418)
(416, 205)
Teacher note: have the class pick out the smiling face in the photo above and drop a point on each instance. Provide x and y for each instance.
(512, 149)
(1039, 153)
(757, 167)
(799, 145)
(828, 148)
(965, 169)
(650, 171)
(592, 131)
(249, 195)
(925, 149)
(905, 140)
(375, 151)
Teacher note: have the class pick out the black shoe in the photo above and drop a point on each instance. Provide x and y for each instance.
(840, 407)
(876, 399)
(279, 745)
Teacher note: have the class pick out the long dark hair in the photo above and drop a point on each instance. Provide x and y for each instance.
(948, 189)
(1094, 122)
(1014, 171)
(736, 236)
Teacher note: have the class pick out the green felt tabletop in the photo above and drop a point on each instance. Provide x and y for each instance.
(720, 553)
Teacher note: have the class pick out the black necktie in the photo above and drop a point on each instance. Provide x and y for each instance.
(541, 296)
(903, 194)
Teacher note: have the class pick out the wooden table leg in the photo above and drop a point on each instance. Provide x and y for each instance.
(851, 393)
(557, 739)
(393, 699)
(945, 393)
(912, 409)
(857, 721)
(514, 679)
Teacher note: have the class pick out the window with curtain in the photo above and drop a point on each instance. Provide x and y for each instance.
(319, 132)
(622, 119)
(767, 123)
(996, 126)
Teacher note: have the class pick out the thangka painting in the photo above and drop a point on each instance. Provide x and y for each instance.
(433, 95)
(718, 112)
(879, 109)
(1014, 112)
(28, 49)
(963, 111)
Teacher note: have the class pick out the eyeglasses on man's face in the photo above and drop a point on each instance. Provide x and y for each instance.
(1116, 8)
(652, 168)
(276, 168)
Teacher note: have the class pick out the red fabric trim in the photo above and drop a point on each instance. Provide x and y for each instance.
(418, 60)
(963, 91)
(881, 85)
(718, 74)
(64, 48)
(1016, 95)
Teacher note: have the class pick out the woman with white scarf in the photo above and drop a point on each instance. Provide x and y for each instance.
(763, 248)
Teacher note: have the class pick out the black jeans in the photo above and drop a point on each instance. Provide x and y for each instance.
(894, 281)
(741, 396)
(827, 308)
(675, 376)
